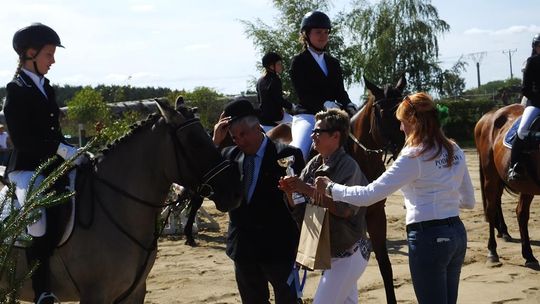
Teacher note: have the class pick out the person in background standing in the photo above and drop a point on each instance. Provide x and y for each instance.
(5, 146)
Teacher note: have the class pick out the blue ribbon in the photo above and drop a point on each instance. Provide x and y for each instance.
(294, 278)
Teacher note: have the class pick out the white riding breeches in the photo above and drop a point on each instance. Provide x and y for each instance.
(529, 114)
(287, 119)
(302, 125)
(21, 180)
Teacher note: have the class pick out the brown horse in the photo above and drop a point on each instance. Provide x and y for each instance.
(375, 132)
(494, 160)
(119, 199)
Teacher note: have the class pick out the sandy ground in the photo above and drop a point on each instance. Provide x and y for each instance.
(204, 274)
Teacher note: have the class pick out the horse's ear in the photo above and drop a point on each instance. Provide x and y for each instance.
(170, 115)
(375, 90)
(402, 83)
(179, 101)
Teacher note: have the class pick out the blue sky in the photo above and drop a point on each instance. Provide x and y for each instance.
(184, 44)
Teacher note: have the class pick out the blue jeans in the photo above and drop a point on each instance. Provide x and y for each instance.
(436, 255)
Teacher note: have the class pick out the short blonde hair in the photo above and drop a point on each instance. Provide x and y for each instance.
(338, 120)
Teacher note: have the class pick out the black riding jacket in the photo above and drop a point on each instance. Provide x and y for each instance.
(531, 80)
(271, 101)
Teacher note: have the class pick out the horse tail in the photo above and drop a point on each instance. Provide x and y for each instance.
(482, 191)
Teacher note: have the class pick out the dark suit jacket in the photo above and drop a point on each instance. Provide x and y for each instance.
(313, 87)
(271, 101)
(264, 230)
(33, 123)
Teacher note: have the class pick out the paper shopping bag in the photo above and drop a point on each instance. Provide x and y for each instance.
(314, 246)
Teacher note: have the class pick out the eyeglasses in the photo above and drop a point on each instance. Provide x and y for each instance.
(318, 131)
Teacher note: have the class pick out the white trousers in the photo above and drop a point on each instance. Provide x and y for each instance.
(302, 125)
(287, 119)
(529, 114)
(338, 285)
(21, 179)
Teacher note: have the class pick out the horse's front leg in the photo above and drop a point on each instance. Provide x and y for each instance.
(376, 226)
(195, 204)
(522, 212)
(502, 229)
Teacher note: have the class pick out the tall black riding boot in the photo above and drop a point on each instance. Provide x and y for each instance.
(39, 253)
(515, 170)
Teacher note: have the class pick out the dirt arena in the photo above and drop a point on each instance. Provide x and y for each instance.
(204, 274)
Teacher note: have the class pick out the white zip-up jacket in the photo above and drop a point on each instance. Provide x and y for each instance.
(430, 188)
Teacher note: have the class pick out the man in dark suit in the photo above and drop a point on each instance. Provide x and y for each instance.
(263, 237)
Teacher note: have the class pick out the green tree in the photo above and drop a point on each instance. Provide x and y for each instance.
(396, 36)
(451, 83)
(209, 103)
(87, 107)
(284, 37)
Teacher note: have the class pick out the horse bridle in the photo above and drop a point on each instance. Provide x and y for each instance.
(389, 146)
(204, 187)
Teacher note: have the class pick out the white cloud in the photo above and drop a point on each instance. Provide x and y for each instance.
(514, 29)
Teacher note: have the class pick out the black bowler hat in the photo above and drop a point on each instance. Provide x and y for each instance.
(239, 108)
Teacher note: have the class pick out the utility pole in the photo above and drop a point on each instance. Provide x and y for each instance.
(477, 57)
(510, 52)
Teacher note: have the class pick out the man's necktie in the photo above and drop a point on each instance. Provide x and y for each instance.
(249, 168)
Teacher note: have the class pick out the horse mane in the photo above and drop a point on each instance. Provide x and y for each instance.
(133, 129)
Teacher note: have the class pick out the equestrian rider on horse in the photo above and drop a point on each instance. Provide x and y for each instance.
(32, 117)
(531, 90)
(270, 94)
(317, 78)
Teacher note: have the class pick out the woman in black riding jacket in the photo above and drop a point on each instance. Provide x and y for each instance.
(317, 78)
(531, 90)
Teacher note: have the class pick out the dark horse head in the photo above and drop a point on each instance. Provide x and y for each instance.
(200, 166)
(384, 124)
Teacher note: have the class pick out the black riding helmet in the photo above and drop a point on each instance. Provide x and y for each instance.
(270, 58)
(315, 19)
(34, 36)
(536, 40)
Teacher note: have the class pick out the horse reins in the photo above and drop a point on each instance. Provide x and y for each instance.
(389, 146)
(205, 189)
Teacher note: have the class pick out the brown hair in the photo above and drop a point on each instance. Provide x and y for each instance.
(338, 120)
(420, 112)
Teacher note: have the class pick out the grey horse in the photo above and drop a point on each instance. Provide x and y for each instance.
(119, 198)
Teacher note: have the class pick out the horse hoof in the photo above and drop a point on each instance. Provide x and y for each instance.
(493, 261)
(191, 242)
(505, 236)
(533, 265)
